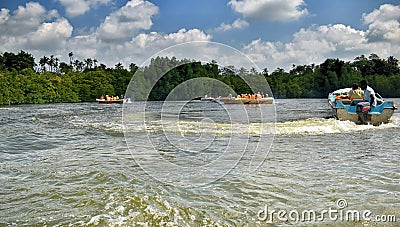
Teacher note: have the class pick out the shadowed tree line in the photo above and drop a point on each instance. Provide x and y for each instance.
(23, 81)
(316, 81)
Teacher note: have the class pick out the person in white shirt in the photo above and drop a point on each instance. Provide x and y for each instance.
(369, 93)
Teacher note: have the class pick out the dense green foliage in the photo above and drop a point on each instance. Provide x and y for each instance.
(178, 72)
(22, 81)
(303, 81)
(58, 82)
(307, 81)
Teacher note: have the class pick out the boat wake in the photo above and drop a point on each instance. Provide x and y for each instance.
(307, 126)
(304, 126)
(328, 126)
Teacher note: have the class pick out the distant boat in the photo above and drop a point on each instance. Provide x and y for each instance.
(227, 100)
(360, 112)
(208, 99)
(233, 100)
(104, 101)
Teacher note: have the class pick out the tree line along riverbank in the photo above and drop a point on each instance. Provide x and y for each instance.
(23, 81)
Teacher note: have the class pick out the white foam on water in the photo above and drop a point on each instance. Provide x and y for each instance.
(307, 126)
(146, 211)
(326, 126)
(106, 125)
(394, 122)
(9, 108)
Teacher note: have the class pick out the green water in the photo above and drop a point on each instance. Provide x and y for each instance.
(79, 164)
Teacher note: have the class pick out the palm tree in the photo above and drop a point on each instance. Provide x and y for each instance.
(89, 63)
(43, 61)
(265, 72)
(51, 62)
(56, 60)
(119, 66)
(64, 68)
(132, 67)
(78, 65)
(71, 57)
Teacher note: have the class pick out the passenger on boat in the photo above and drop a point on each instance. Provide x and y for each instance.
(369, 93)
(356, 93)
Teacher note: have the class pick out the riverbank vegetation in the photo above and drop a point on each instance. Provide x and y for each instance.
(23, 81)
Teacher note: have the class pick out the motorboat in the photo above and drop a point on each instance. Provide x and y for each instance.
(110, 100)
(104, 101)
(232, 100)
(239, 100)
(360, 111)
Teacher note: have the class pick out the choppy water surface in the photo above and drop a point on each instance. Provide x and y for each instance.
(69, 164)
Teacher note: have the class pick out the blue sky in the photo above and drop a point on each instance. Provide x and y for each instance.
(273, 33)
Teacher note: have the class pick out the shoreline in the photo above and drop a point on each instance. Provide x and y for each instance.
(23, 104)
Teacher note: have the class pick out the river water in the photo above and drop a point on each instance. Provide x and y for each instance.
(90, 164)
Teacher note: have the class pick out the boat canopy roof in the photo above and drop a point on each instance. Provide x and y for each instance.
(341, 91)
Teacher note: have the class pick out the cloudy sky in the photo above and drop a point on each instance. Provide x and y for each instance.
(273, 33)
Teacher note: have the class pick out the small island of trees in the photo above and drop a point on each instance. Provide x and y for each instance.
(23, 81)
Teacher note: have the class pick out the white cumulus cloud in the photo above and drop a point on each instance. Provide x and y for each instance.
(123, 36)
(4, 14)
(23, 20)
(32, 28)
(145, 45)
(50, 36)
(85, 46)
(315, 44)
(237, 24)
(383, 23)
(75, 8)
(270, 10)
(128, 21)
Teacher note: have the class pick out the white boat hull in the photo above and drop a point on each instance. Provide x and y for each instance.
(268, 100)
(375, 115)
(374, 119)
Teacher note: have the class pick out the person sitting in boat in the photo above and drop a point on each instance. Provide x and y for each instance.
(101, 97)
(369, 93)
(356, 94)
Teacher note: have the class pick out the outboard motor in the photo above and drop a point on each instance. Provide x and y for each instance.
(362, 109)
